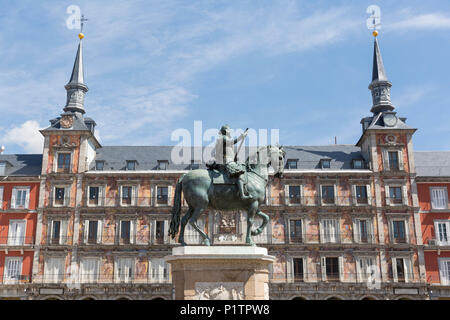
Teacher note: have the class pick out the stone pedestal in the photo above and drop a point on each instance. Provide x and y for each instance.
(220, 272)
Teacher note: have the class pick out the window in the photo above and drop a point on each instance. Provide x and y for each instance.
(439, 198)
(332, 268)
(325, 163)
(127, 195)
(55, 232)
(393, 160)
(99, 165)
(327, 194)
(294, 194)
(298, 269)
(358, 164)
(361, 194)
(401, 269)
(124, 269)
(2, 168)
(159, 234)
(158, 270)
(444, 271)
(162, 195)
(442, 229)
(92, 231)
(194, 165)
(63, 163)
(16, 232)
(163, 164)
(94, 193)
(365, 268)
(54, 270)
(395, 194)
(329, 230)
(295, 230)
(291, 164)
(13, 269)
(89, 270)
(399, 232)
(20, 198)
(59, 196)
(363, 235)
(131, 165)
(125, 231)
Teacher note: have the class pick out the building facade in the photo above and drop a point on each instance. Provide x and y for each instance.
(19, 193)
(433, 185)
(345, 220)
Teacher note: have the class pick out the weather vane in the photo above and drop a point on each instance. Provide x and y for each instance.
(82, 20)
(374, 21)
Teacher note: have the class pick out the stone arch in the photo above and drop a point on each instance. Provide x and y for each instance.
(404, 298)
(334, 297)
(123, 298)
(88, 298)
(368, 298)
(158, 298)
(298, 298)
(52, 298)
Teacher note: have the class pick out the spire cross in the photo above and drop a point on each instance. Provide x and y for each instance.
(82, 20)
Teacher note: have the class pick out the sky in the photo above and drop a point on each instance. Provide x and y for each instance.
(152, 67)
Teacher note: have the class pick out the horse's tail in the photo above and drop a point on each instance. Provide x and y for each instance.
(176, 210)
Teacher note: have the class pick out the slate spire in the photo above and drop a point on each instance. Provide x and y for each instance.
(380, 86)
(76, 89)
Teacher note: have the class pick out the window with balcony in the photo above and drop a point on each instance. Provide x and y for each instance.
(55, 232)
(442, 229)
(89, 270)
(330, 269)
(329, 230)
(124, 269)
(159, 232)
(99, 165)
(54, 270)
(159, 270)
(63, 163)
(20, 198)
(439, 199)
(291, 163)
(92, 231)
(162, 195)
(399, 231)
(16, 232)
(294, 195)
(94, 195)
(365, 269)
(395, 195)
(127, 195)
(12, 270)
(60, 196)
(125, 231)
(298, 269)
(444, 271)
(295, 230)
(363, 230)
(327, 193)
(361, 195)
(401, 269)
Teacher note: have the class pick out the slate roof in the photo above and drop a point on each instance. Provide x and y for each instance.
(147, 157)
(432, 163)
(378, 123)
(22, 164)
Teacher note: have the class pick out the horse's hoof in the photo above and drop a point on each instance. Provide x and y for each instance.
(207, 243)
(256, 232)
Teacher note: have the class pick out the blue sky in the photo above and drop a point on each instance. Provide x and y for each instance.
(154, 66)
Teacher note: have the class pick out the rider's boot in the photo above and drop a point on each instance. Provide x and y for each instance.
(241, 190)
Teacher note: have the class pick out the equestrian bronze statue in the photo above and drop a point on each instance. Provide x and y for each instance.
(223, 186)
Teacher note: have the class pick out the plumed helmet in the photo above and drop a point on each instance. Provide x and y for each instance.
(224, 129)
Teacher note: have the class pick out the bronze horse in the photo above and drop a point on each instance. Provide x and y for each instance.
(200, 193)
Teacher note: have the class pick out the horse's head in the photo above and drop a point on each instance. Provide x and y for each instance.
(276, 156)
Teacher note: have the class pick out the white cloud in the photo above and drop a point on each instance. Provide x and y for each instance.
(422, 21)
(26, 135)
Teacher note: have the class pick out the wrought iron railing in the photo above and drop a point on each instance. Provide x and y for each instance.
(116, 277)
(16, 241)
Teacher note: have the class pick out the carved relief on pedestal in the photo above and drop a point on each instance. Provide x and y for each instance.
(219, 291)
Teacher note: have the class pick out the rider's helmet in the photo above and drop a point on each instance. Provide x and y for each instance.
(224, 129)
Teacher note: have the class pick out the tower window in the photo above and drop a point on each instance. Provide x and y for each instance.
(393, 160)
(63, 162)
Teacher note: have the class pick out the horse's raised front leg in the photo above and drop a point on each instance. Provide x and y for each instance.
(265, 219)
(184, 221)
(250, 218)
(193, 222)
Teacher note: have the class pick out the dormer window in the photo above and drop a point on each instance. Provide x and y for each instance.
(3, 168)
(163, 164)
(99, 165)
(358, 164)
(325, 163)
(194, 165)
(291, 163)
(131, 165)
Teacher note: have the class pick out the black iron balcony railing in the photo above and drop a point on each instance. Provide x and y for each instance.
(368, 277)
(296, 200)
(16, 241)
(394, 200)
(14, 278)
(119, 277)
(17, 205)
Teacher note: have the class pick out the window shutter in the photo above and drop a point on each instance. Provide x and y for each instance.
(358, 270)
(290, 270)
(335, 193)
(1, 198)
(49, 231)
(303, 201)
(101, 197)
(394, 269)
(405, 195)
(134, 196)
(323, 263)
(341, 269)
(386, 160)
(388, 200)
(337, 230)
(132, 231)
(13, 197)
(400, 160)
(409, 276)
(63, 232)
(322, 230)
(369, 194)
(99, 231)
(356, 230)
(371, 230)
(286, 194)
(169, 195)
(166, 228)
(86, 230)
(27, 199)
(354, 200)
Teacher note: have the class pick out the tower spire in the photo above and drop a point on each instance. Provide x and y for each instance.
(380, 86)
(76, 89)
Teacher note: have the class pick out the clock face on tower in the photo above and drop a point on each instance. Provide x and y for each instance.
(389, 119)
(66, 122)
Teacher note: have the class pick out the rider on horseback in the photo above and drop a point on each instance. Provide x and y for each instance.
(225, 156)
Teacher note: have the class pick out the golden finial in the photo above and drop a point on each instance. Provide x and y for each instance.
(81, 35)
(375, 33)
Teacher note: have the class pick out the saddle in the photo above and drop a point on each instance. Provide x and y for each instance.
(219, 174)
